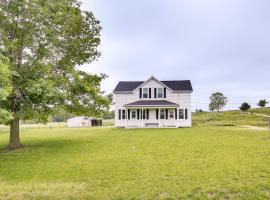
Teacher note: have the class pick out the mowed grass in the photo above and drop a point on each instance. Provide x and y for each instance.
(232, 118)
(107, 163)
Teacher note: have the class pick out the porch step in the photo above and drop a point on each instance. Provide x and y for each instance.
(152, 124)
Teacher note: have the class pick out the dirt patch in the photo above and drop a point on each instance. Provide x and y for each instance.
(255, 127)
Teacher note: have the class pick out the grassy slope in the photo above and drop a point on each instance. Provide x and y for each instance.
(265, 111)
(232, 118)
(106, 163)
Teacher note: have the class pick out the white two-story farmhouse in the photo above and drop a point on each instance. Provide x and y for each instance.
(153, 103)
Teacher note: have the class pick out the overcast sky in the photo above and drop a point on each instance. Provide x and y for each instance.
(220, 45)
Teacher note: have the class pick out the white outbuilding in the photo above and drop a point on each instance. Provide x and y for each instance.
(82, 121)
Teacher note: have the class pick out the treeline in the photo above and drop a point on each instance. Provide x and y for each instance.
(219, 101)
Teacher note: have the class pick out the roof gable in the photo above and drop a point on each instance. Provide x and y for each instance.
(155, 79)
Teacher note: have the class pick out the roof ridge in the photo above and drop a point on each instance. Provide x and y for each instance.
(160, 81)
(177, 80)
(131, 81)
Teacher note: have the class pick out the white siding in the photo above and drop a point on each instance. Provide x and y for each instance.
(181, 98)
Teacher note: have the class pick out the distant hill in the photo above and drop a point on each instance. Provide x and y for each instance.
(265, 111)
(232, 118)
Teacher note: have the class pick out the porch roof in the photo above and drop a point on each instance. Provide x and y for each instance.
(151, 103)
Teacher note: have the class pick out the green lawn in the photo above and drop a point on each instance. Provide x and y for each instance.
(265, 111)
(231, 118)
(107, 163)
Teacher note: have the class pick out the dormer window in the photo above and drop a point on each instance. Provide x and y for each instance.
(160, 92)
(145, 93)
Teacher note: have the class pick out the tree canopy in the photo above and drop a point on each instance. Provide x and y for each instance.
(217, 101)
(245, 107)
(5, 87)
(45, 42)
(262, 103)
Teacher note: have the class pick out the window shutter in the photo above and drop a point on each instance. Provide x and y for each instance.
(140, 93)
(149, 93)
(164, 92)
(156, 112)
(128, 113)
(138, 114)
(186, 114)
(155, 93)
(166, 113)
(147, 114)
(119, 114)
(175, 113)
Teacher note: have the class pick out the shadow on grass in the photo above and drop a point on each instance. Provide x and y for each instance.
(49, 146)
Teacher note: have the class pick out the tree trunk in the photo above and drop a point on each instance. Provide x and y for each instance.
(14, 140)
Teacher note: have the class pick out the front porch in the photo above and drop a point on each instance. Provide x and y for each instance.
(157, 114)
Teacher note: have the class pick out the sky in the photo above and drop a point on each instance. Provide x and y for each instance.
(220, 45)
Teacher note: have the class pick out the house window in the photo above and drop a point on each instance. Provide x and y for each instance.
(171, 114)
(143, 114)
(162, 114)
(133, 114)
(181, 113)
(160, 92)
(145, 92)
(123, 114)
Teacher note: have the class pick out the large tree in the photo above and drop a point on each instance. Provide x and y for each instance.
(45, 42)
(217, 101)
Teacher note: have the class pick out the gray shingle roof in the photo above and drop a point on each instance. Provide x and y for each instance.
(152, 103)
(128, 86)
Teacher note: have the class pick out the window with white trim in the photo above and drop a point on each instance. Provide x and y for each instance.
(123, 114)
(133, 114)
(162, 114)
(160, 92)
(171, 113)
(143, 114)
(145, 93)
(181, 113)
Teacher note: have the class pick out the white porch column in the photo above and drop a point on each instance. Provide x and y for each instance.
(142, 116)
(159, 117)
(177, 117)
(125, 118)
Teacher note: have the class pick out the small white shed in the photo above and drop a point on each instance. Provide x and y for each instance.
(80, 121)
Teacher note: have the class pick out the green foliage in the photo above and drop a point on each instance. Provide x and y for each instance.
(245, 107)
(108, 115)
(197, 111)
(45, 42)
(217, 101)
(262, 103)
(108, 163)
(5, 87)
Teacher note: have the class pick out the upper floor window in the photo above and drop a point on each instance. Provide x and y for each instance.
(160, 93)
(145, 92)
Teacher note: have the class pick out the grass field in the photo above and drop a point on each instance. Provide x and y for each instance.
(232, 118)
(202, 162)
